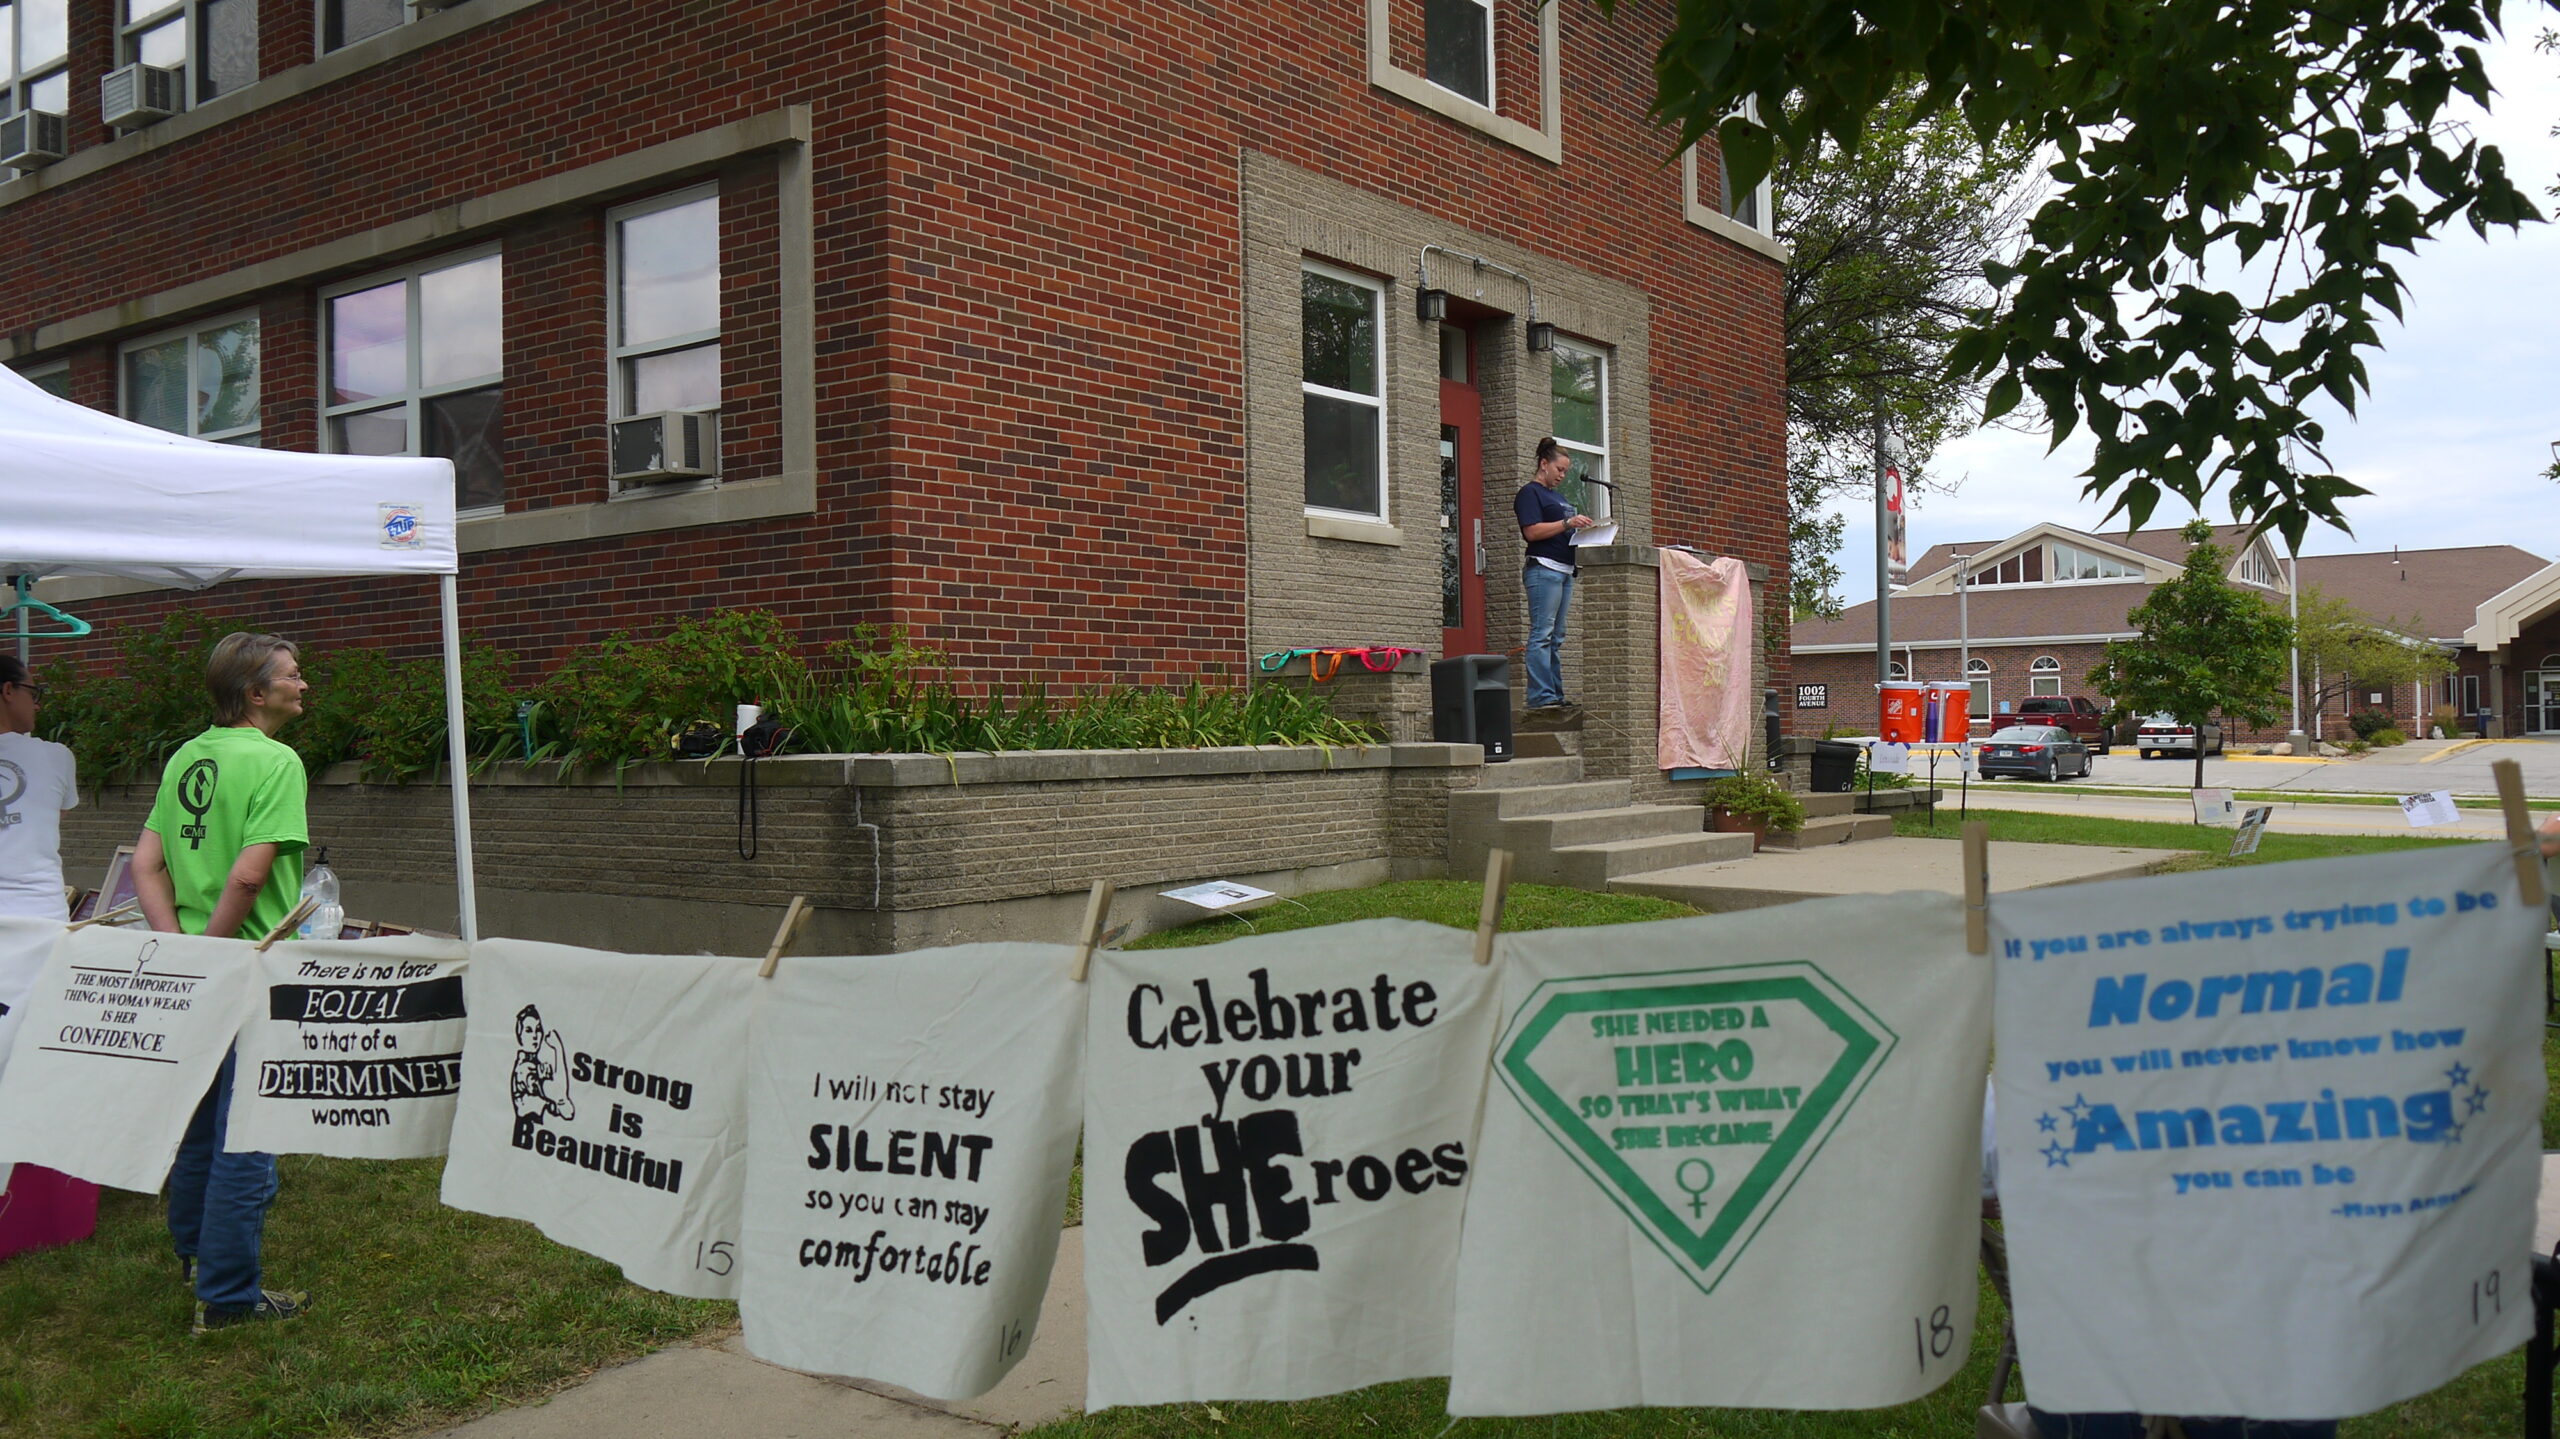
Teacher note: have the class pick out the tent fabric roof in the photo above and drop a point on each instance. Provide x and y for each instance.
(90, 494)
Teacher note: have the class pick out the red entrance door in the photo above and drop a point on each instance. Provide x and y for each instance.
(1461, 496)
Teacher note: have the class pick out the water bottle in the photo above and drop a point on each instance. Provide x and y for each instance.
(327, 917)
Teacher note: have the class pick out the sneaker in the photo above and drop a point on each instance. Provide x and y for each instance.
(272, 1304)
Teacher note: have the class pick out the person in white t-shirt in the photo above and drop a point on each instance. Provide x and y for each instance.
(38, 781)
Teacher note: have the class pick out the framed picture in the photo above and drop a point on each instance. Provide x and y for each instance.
(117, 888)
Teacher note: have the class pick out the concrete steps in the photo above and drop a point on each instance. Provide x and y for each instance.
(1835, 829)
(1601, 867)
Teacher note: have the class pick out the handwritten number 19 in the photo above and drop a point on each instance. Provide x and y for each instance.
(1933, 1341)
(2486, 1288)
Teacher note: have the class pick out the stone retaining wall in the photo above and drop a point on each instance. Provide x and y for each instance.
(895, 851)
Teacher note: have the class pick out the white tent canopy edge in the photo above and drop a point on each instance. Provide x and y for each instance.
(91, 494)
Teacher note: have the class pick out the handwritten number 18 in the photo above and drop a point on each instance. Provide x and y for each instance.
(1933, 1341)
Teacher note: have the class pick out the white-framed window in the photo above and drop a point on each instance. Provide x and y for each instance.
(53, 378)
(2044, 677)
(1457, 47)
(1977, 667)
(2070, 562)
(1893, 670)
(1718, 207)
(1578, 416)
(214, 43)
(1341, 376)
(344, 22)
(2470, 694)
(35, 56)
(2257, 569)
(412, 363)
(662, 287)
(200, 381)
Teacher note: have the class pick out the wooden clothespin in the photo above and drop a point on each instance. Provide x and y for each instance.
(1097, 908)
(1977, 887)
(1497, 887)
(110, 916)
(782, 937)
(300, 913)
(2520, 831)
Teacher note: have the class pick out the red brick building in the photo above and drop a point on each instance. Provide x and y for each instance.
(1081, 339)
(2044, 603)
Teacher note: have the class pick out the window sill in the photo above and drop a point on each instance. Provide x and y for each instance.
(641, 511)
(1355, 531)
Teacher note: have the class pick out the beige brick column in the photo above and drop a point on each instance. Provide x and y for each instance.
(1613, 667)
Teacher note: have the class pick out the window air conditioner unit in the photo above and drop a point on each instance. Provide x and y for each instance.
(671, 445)
(139, 94)
(32, 138)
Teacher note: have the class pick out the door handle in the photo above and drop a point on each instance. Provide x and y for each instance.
(1479, 546)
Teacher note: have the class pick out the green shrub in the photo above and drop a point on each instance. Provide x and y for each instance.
(2386, 737)
(1753, 795)
(388, 716)
(123, 722)
(2446, 720)
(2366, 722)
(623, 701)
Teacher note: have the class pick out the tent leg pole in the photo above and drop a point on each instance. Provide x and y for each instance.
(457, 762)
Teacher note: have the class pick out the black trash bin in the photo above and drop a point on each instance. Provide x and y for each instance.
(1835, 766)
(1471, 703)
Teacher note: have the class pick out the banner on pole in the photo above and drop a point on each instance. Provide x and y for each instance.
(352, 1049)
(124, 1029)
(1731, 1161)
(2270, 1139)
(1278, 1136)
(913, 1123)
(604, 1101)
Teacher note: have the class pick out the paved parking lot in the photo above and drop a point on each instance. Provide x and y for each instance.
(2461, 766)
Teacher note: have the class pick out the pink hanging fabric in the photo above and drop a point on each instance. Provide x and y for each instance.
(1706, 663)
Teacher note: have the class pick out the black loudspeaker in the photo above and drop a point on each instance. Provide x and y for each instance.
(1471, 703)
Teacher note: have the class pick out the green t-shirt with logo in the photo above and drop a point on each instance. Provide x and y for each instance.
(224, 790)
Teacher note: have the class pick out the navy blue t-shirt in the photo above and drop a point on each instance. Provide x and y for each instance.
(1538, 505)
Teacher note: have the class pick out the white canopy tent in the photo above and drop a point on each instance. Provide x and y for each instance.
(90, 494)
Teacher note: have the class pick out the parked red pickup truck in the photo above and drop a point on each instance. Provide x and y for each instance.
(2084, 719)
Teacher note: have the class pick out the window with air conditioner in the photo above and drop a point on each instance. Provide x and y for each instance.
(413, 364)
(1578, 416)
(35, 80)
(1342, 382)
(200, 381)
(663, 319)
(210, 47)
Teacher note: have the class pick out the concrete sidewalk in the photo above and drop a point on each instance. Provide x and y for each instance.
(2290, 817)
(1884, 866)
(714, 1389)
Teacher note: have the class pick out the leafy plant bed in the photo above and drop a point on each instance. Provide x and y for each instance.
(626, 699)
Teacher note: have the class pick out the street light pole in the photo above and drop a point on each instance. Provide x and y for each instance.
(1964, 636)
(1884, 579)
(2296, 742)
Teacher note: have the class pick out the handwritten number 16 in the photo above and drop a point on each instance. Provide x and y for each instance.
(1936, 1339)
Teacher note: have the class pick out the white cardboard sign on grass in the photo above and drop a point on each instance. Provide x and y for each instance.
(2431, 808)
(352, 1049)
(1278, 1135)
(2270, 1137)
(1731, 1161)
(914, 1121)
(604, 1100)
(123, 1031)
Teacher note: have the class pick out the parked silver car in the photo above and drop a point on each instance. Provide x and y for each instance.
(2166, 735)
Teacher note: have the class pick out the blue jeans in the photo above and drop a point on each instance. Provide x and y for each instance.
(1549, 592)
(218, 1202)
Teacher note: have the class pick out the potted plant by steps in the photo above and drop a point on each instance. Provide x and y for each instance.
(1753, 802)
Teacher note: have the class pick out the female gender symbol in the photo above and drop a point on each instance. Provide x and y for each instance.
(1697, 1192)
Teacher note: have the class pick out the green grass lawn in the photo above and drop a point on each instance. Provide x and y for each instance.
(420, 1313)
(2207, 845)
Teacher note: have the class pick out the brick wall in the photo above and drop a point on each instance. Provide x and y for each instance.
(1033, 432)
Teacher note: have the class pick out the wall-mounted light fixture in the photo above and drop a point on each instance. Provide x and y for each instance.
(1433, 304)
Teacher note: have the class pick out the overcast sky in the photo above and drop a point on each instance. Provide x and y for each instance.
(2451, 441)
